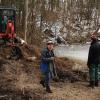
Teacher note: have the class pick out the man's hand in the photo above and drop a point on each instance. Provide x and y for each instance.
(51, 58)
(88, 66)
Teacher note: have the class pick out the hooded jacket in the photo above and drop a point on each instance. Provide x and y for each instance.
(46, 54)
(94, 53)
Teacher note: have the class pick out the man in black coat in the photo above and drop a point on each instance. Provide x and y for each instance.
(94, 61)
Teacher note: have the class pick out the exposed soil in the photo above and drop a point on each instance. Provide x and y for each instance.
(19, 79)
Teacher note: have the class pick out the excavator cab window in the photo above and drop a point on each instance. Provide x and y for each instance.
(6, 14)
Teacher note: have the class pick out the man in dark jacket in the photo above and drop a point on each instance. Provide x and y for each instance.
(47, 66)
(94, 61)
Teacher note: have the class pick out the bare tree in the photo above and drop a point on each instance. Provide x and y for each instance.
(26, 17)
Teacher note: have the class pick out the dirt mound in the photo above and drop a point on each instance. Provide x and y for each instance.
(66, 73)
(20, 78)
(29, 50)
(17, 77)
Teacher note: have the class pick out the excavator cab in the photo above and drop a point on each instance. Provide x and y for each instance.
(7, 25)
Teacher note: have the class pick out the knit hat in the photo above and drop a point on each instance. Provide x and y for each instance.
(50, 42)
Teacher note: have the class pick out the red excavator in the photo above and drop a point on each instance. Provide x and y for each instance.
(7, 26)
(8, 32)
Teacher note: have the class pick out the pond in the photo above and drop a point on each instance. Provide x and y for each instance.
(79, 52)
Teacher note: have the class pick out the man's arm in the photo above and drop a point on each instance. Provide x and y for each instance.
(90, 56)
(44, 58)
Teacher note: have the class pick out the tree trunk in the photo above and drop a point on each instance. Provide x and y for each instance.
(26, 16)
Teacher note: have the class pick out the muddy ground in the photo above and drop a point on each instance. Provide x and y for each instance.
(19, 80)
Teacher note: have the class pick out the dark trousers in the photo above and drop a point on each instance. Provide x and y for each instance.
(46, 78)
(93, 72)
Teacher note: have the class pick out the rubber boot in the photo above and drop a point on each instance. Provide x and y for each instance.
(42, 83)
(96, 83)
(48, 89)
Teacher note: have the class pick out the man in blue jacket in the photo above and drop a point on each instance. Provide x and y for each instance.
(94, 61)
(47, 66)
